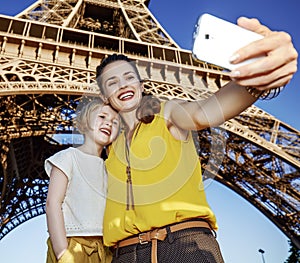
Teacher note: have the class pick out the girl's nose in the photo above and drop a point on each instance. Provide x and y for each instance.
(108, 123)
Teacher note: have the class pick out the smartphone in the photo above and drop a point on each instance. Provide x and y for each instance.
(216, 40)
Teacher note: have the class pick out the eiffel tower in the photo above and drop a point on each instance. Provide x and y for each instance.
(48, 56)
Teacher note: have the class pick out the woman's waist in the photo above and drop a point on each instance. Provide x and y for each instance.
(132, 224)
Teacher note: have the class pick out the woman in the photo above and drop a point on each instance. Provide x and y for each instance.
(156, 207)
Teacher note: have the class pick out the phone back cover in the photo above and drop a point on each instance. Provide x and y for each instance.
(216, 40)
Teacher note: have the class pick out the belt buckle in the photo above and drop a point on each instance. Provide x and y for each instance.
(141, 239)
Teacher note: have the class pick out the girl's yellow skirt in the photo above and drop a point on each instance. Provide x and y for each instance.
(81, 250)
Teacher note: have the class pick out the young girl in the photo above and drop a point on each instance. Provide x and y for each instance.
(77, 190)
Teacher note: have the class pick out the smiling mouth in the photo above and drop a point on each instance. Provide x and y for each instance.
(126, 95)
(106, 131)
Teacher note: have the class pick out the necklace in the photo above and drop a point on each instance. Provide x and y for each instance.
(130, 197)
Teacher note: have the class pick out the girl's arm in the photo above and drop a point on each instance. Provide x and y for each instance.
(55, 220)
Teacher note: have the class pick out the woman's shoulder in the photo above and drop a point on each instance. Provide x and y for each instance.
(169, 106)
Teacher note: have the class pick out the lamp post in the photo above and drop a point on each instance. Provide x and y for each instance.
(262, 254)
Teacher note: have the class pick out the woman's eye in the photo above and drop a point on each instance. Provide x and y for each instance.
(131, 77)
(112, 83)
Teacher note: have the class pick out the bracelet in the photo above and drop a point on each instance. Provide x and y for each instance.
(272, 93)
(255, 92)
(265, 95)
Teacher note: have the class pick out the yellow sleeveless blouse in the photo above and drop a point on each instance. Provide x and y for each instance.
(167, 183)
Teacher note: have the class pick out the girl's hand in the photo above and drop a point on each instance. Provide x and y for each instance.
(61, 253)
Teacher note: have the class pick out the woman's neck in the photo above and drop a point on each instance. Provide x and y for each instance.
(130, 121)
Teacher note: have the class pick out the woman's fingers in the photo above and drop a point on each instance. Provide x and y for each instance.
(272, 79)
(277, 58)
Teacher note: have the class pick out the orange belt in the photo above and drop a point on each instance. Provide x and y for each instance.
(159, 234)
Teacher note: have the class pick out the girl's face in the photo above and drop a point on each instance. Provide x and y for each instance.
(121, 86)
(105, 125)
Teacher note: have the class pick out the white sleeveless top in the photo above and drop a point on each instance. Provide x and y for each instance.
(84, 203)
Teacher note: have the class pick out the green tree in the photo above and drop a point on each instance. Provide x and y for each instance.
(294, 256)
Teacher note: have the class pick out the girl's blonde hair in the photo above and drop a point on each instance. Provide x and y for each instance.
(83, 112)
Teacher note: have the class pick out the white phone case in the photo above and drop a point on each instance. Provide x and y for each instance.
(216, 40)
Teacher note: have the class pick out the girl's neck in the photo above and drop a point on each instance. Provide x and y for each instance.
(91, 148)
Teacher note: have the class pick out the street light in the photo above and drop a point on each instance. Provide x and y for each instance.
(262, 254)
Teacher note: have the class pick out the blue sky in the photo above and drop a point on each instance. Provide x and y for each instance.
(243, 229)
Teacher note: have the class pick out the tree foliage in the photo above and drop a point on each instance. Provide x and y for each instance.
(294, 256)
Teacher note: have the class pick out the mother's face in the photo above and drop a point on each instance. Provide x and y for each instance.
(122, 86)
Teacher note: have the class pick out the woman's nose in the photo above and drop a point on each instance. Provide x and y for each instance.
(122, 83)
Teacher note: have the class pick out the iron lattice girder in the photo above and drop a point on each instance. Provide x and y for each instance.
(265, 186)
(69, 13)
(24, 183)
(45, 68)
(264, 180)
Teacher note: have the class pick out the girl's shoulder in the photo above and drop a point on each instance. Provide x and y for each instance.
(68, 152)
(62, 160)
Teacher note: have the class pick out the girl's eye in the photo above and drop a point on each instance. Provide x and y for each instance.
(101, 116)
(115, 122)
